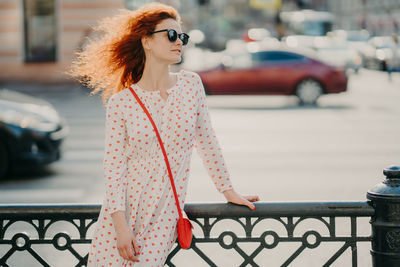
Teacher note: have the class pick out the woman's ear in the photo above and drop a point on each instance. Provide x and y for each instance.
(145, 42)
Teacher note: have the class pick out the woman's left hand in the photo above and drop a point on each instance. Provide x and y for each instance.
(232, 196)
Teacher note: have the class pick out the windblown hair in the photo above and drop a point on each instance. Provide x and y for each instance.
(116, 60)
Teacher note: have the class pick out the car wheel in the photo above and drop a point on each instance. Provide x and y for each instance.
(4, 162)
(308, 91)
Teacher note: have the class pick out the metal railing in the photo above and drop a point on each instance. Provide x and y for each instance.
(204, 216)
(27, 227)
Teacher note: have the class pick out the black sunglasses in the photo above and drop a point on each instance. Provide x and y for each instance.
(173, 35)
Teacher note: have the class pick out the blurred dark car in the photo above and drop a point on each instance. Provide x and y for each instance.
(31, 132)
(277, 71)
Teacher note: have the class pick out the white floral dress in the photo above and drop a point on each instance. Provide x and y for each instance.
(135, 173)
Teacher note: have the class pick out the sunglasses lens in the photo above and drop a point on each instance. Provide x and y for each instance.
(172, 35)
(184, 38)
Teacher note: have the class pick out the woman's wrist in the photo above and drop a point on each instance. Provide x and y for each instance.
(227, 192)
(120, 223)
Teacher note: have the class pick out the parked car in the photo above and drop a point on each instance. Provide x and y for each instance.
(356, 39)
(302, 41)
(31, 132)
(332, 49)
(338, 51)
(361, 36)
(255, 34)
(379, 52)
(277, 71)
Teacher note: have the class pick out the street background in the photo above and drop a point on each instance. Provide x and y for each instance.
(273, 148)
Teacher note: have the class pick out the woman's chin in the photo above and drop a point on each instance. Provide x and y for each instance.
(176, 60)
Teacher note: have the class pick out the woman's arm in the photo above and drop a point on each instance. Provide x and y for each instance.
(114, 168)
(114, 157)
(208, 148)
(207, 144)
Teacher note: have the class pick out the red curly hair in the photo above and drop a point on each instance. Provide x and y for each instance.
(115, 61)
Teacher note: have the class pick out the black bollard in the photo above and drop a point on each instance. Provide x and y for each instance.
(385, 198)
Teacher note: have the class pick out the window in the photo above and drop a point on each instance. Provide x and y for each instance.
(40, 30)
(275, 56)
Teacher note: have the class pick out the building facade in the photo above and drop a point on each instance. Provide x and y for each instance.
(378, 17)
(38, 38)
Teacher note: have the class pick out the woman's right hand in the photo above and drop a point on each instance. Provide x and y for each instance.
(126, 244)
(126, 240)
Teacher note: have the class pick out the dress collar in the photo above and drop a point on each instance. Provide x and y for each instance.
(157, 92)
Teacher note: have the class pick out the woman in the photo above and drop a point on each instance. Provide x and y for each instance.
(137, 221)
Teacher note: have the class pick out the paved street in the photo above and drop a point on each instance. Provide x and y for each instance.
(272, 147)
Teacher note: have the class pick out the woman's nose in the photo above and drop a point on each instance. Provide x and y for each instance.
(179, 41)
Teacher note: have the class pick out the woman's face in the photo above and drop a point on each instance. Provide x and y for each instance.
(159, 47)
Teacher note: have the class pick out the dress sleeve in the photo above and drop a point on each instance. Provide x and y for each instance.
(114, 156)
(207, 145)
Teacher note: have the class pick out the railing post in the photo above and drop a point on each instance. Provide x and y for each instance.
(385, 223)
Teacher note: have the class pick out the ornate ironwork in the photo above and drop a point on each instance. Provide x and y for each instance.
(42, 220)
(290, 216)
(385, 223)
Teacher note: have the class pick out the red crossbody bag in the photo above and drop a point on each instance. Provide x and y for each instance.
(184, 225)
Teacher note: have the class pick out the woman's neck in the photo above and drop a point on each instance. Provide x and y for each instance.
(156, 78)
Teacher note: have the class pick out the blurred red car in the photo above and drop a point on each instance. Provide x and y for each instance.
(274, 72)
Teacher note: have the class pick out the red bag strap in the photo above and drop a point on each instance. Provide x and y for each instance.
(162, 148)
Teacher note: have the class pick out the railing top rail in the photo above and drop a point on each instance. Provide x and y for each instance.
(283, 209)
(203, 209)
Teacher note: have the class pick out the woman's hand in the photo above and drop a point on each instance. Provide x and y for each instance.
(126, 240)
(232, 196)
